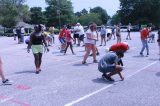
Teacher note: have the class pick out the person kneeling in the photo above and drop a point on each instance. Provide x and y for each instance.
(108, 65)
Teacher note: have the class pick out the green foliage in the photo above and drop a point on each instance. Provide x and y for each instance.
(37, 16)
(115, 19)
(102, 13)
(59, 12)
(91, 17)
(12, 11)
(140, 11)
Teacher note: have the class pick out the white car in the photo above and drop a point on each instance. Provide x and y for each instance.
(123, 28)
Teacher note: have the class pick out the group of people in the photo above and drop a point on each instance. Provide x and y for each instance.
(19, 33)
(109, 65)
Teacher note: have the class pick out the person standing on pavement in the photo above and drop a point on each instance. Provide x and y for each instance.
(80, 31)
(18, 31)
(37, 40)
(103, 35)
(68, 39)
(4, 80)
(15, 33)
(61, 38)
(129, 32)
(76, 34)
(144, 35)
(118, 33)
(108, 65)
(90, 42)
(22, 34)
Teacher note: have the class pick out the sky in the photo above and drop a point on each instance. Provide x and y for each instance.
(111, 6)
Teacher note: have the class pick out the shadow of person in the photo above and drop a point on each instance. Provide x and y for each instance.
(151, 59)
(24, 72)
(158, 74)
(101, 80)
(80, 64)
(138, 56)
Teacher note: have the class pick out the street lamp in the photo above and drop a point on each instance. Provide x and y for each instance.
(59, 14)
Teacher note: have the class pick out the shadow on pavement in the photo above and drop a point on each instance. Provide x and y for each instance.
(24, 72)
(158, 74)
(80, 64)
(101, 80)
(138, 56)
(151, 59)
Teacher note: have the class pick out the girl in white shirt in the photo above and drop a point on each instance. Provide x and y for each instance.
(90, 42)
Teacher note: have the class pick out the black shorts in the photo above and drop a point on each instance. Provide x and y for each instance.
(76, 36)
(108, 34)
(81, 37)
(128, 31)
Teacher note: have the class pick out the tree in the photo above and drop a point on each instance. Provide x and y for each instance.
(37, 16)
(12, 11)
(140, 11)
(103, 14)
(59, 12)
(115, 19)
(91, 17)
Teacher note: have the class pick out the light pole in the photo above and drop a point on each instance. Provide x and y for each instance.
(59, 14)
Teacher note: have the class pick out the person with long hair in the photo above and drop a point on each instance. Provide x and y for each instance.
(90, 42)
(37, 40)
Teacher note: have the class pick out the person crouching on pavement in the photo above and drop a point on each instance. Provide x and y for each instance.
(108, 65)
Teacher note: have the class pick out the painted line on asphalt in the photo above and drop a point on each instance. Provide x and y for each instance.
(108, 86)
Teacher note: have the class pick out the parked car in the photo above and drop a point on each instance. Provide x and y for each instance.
(123, 28)
(135, 28)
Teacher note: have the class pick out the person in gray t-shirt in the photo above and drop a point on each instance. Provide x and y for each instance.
(108, 65)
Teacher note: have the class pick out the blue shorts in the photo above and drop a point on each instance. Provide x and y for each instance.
(107, 69)
(62, 40)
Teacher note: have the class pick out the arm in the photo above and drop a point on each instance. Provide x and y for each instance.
(30, 43)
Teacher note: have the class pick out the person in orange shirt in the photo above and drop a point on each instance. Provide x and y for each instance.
(144, 35)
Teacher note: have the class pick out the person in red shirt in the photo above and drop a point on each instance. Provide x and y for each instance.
(123, 47)
(62, 38)
(144, 35)
(68, 39)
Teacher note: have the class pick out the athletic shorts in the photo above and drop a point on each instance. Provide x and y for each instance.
(37, 49)
(103, 35)
(76, 36)
(81, 38)
(108, 34)
(107, 69)
(62, 40)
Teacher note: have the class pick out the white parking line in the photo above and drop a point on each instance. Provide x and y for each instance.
(104, 88)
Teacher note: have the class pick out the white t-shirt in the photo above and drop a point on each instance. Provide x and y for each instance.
(93, 35)
(80, 30)
(76, 29)
(22, 31)
(14, 31)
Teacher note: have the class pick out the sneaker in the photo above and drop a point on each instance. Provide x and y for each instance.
(37, 72)
(95, 61)
(97, 53)
(91, 55)
(141, 54)
(105, 77)
(6, 81)
(83, 62)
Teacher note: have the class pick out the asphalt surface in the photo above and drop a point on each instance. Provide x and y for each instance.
(64, 81)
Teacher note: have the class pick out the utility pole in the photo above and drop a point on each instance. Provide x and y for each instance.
(59, 14)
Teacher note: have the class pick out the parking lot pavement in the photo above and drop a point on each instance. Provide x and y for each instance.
(65, 81)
